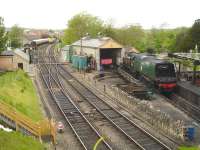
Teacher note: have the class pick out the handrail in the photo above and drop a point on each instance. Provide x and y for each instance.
(39, 129)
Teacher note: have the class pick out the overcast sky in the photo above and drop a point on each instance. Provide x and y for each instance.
(54, 14)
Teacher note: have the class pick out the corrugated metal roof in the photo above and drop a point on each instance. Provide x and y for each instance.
(95, 42)
(66, 47)
(8, 53)
(19, 52)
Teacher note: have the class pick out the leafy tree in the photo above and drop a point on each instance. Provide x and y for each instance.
(80, 25)
(150, 50)
(195, 35)
(183, 40)
(161, 39)
(109, 31)
(3, 35)
(188, 38)
(16, 36)
(131, 36)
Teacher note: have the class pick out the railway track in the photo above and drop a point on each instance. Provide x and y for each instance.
(179, 102)
(84, 131)
(136, 134)
(190, 109)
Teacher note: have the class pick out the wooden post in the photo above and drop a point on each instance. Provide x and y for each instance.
(194, 74)
(53, 131)
(16, 121)
(40, 136)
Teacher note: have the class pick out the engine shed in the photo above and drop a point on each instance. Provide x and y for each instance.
(106, 52)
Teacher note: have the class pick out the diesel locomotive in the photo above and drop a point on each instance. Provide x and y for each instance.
(160, 73)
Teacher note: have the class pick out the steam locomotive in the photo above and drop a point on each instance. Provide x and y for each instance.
(160, 73)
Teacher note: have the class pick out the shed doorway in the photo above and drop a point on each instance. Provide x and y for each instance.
(20, 66)
(110, 56)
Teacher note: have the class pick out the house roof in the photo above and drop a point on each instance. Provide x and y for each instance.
(66, 47)
(97, 43)
(131, 49)
(20, 53)
(7, 53)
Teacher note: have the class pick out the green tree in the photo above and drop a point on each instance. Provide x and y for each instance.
(16, 36)
(195, 35)
(131, 35)
(183, 40)
(109, 30)
(80, 25)
(188, 38)
(3, 35)
(161, 39)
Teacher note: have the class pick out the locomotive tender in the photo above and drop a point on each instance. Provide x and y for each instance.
(160, 73)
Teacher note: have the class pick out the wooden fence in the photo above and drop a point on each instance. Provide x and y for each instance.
(23, 123)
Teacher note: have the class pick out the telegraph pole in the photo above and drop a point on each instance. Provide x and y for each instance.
(81, 45)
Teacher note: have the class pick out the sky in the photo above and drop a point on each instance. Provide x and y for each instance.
(54, 14)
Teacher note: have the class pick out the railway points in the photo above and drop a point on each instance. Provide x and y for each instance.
(81, 109)
(121, 122)
(72, 114)
(158, 105)
(55, 86)
(110, 88)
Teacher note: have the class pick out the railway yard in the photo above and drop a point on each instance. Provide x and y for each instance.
(111, 110)
(113, 106)
(95, 111)
(100, 75)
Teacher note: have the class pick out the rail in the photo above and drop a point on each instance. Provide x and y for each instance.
(136, 134)
(85, 132)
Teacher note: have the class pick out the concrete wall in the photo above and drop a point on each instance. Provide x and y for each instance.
(97, 57)
(189, 92)
(119, 57)
(86, 50)
(63, 56)
(17, 59)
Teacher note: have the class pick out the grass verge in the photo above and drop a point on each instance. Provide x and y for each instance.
(17, 141)
(17, 89)
(189, 148)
